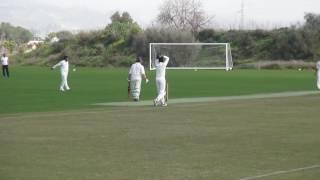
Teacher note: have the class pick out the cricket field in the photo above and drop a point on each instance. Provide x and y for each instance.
(237, 125)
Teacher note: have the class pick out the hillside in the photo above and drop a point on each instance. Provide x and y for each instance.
(123, 39)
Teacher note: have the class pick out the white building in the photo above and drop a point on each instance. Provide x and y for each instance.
(54, 39)
(34, 44)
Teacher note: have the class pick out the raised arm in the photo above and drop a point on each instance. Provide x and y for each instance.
(57, 65)
(166, 60)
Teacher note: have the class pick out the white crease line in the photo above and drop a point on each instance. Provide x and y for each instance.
(280, 172)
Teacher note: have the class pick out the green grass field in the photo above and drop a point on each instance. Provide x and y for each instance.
(45, 134)
(32, 89)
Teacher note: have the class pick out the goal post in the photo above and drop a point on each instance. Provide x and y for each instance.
(193, 55)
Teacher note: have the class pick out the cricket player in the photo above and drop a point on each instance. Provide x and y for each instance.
(5, 65)
(318, 74)
(161, 65)
(64, 70)
(136, 73)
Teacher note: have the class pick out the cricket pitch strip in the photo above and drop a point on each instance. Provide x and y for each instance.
(212, 99)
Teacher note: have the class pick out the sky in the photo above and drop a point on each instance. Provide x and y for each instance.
(226, 13)
(261, 11)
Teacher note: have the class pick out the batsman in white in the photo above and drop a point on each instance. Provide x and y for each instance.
(318, 74)
(64, 70)
(161, 65)
(136, 73)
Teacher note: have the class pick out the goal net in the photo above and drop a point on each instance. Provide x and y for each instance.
(193, 55)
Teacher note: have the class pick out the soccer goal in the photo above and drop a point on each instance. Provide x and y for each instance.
(193, 55)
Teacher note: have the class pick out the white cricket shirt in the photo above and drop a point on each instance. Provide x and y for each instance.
(161, 68)
(64, 66)
(318, 65)
(4, 61)
(136, 71)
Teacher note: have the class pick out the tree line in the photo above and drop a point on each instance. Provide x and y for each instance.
(11, 37)
(123, 39)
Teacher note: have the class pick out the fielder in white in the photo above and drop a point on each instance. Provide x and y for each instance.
(161, 65)
(318, 74)
(64, 70)
(136, 73)
(5, 65)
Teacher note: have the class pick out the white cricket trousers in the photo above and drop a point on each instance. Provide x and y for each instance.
(318, 79)
(64, 82)
(135, 88)
(161, 90)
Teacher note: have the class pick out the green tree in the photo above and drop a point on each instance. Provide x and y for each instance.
(312, 31)
(121, 27)
(16, 34)
(9, 45)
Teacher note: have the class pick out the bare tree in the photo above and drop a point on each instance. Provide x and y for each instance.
(186, 15)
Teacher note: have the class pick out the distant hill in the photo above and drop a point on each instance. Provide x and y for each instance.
(43, 18)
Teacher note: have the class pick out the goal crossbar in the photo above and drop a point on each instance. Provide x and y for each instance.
(187, 44)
